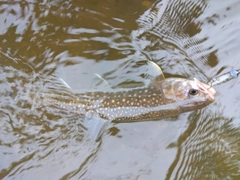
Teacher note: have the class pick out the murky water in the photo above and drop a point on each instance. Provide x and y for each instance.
(73, 40)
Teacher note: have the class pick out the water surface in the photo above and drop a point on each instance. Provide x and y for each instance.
(42, 40)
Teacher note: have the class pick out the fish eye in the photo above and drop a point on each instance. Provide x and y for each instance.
(193, 92)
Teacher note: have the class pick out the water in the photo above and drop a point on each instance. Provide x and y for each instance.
(75, 39)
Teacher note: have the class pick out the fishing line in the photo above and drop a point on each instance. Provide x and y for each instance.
(232, 74)
(210, 86)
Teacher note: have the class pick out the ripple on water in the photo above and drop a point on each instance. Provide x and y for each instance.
(74, 40)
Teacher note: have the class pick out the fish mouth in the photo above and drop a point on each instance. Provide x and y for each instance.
(206, 88)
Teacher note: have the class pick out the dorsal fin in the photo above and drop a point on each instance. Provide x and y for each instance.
(65, 85)
(99, 82)
(150, 73)
(57, 85)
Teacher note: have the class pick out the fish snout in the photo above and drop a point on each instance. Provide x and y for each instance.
(206, 88)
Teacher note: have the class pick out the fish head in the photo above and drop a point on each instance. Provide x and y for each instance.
(188, 94)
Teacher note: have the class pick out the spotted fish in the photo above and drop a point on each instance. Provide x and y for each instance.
(162, 98)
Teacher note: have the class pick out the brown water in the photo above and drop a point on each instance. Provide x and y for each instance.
(73, 40)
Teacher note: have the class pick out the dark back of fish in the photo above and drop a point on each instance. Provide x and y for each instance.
(139, 104)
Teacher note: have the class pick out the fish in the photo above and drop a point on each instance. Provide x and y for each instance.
(162, 98)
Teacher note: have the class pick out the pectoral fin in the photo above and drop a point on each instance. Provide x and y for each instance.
(153, 73)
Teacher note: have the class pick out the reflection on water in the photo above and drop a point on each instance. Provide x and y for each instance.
(74, 40)
(34, 136)
(209, 151)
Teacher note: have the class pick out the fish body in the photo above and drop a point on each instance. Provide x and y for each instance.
(161, 99)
